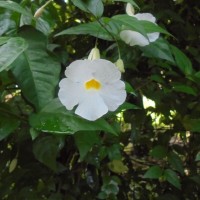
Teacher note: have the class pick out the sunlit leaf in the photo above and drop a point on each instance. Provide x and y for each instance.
(36, 72)
(9, 51)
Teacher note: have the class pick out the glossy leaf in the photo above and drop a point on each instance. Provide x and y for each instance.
(159, 49)
(176, 162)
(10, 51)
(45, 150)
(153, 172)
(172, 178)
(85, 141)
(11, 5)
(92, 6)
(182, 61)
(36, 72)
(56, 119)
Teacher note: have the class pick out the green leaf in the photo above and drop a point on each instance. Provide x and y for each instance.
(14, 7)
(191, 124)
(114, 152)
(182, 61)
(159, 152)
(153, 172)
(93, 28)
(36, 72)
(8, 121)
(131, 23)
(197, 157)
(55, 118)
(185, 89)
(91, 6)
(172, 178)
(129, 1)
(10, 51)
(175, 162)
(45, 150)
(85, 141)
(159, 49)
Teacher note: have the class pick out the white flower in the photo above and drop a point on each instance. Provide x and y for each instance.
(135, 38)
(93, 85)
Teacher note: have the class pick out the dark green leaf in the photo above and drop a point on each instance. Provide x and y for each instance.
(176, 162)
(45, 150)
(159, 152)
(192, 124)
(93, 28)
(172, 178)
(8, 121)
(56, 119)
(182, 61)
(14, 7)
(159, 49)
(153, 172)
(129, 1)
(36, 72)
(114, 152)
(185, 89)
(197, 157)
(10, 51)
(85, 141)
(92, 6)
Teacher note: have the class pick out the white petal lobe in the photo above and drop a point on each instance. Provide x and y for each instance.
(92, 107)
(133, 38)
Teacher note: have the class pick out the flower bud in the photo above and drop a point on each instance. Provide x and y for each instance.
(94, 54)
(120, 65)
(12, 165)
(130, 9)
(40, 10)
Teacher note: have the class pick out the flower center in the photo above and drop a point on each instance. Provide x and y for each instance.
(92, 84)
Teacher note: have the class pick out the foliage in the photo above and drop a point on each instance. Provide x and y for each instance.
(137, 152)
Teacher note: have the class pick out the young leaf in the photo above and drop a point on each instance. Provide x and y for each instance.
(185, 89)
(153, 172)
(172, 178)
(36, 72)
(15, 46)
(85, 141)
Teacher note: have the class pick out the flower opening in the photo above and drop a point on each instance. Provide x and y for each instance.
(92, 84)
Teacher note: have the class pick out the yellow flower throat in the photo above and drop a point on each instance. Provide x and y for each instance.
(92, 84)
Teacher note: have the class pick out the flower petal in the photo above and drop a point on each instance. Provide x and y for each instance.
(133, 38)
(145, 16)
(105, 71)
(113, 95)
(69, 93)
(92, 106)
(79, 70)
(153, 36)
